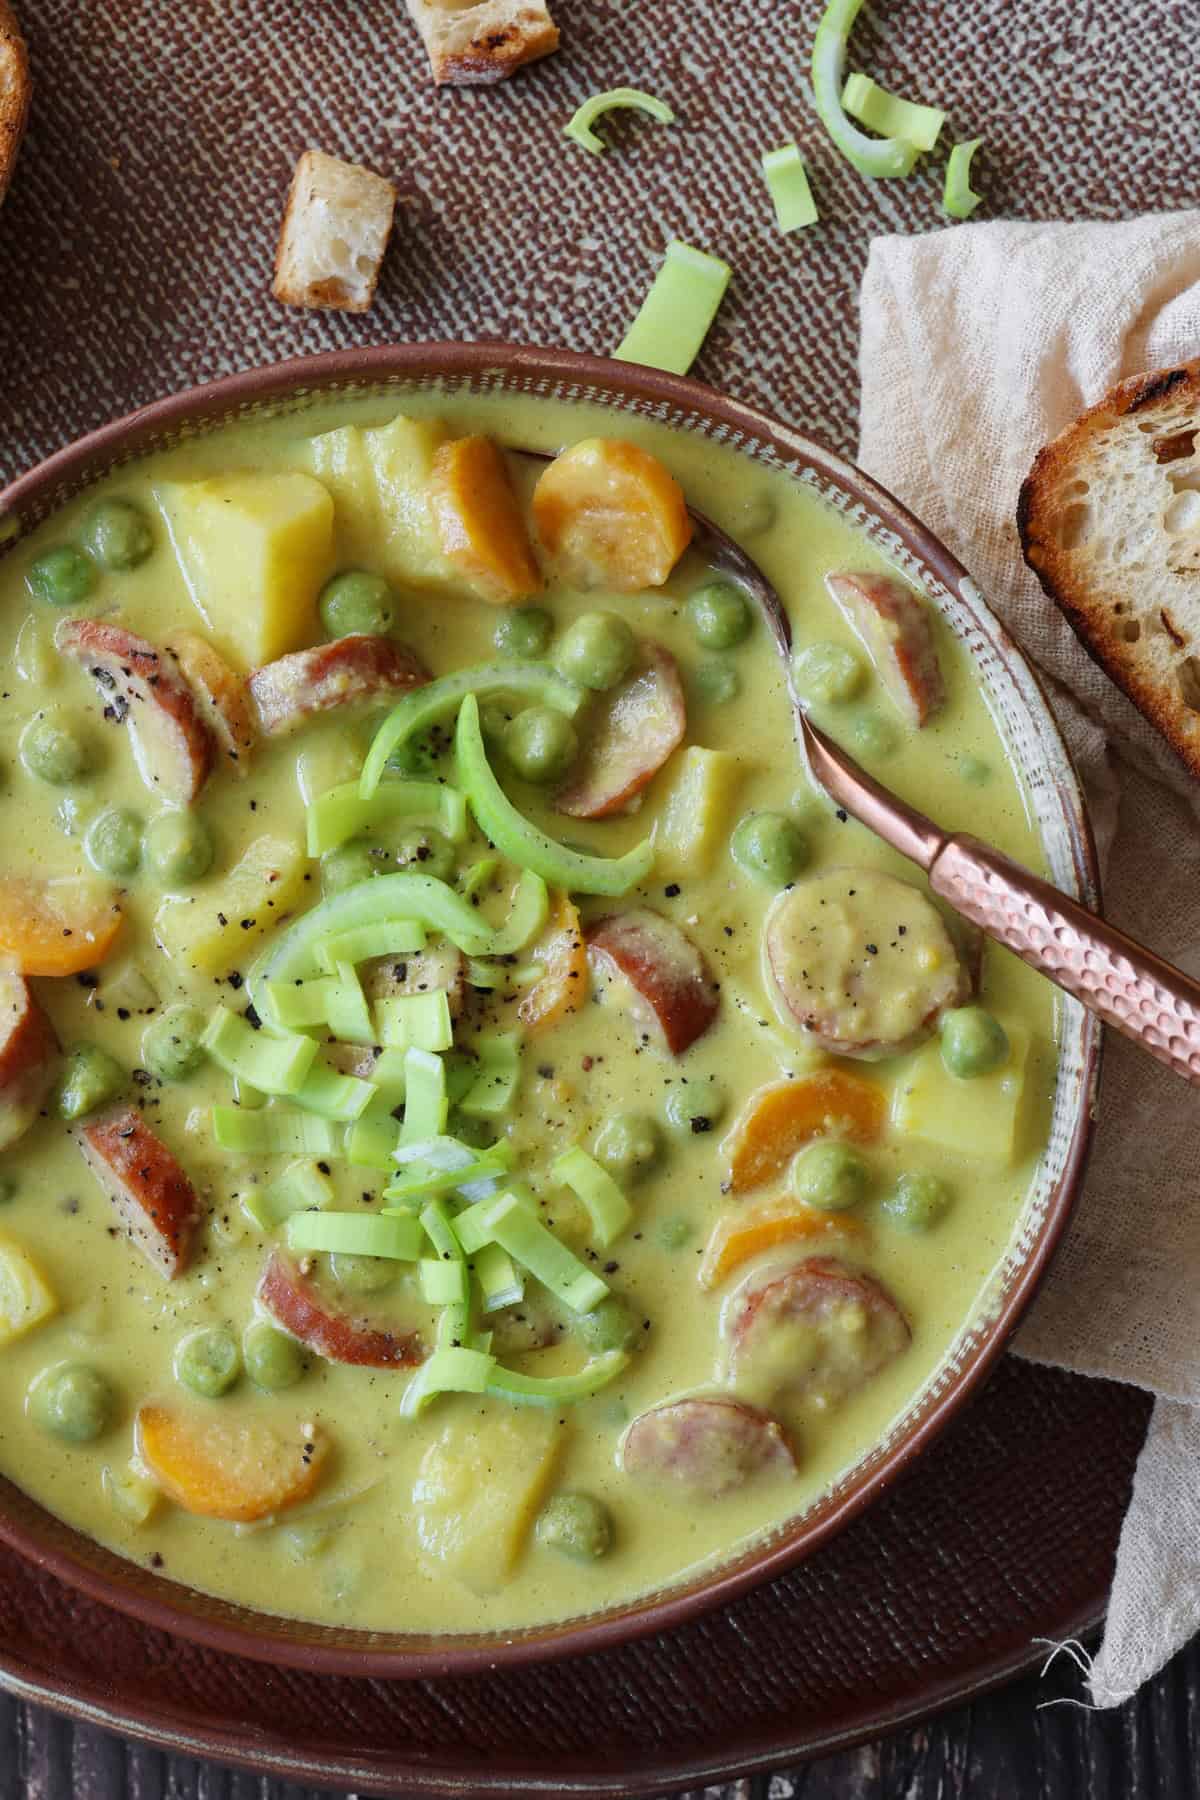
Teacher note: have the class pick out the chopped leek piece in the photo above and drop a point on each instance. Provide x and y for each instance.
(480, 875)
(787, 183)
(294, 1005)
(890, 116)
(460, 1068)
(425, 1103)
(492, 1091)
(498, 1277)
(520, 840)
(276, 1065)
(343, 813)
(415, 1019)
(558, 1390)
(429, 705)
(673, 320)
(870, 156)
(335, 1000)
(528, 910)
(512, 1222)
(436, 1224)
(453, 1369)
(276, 1130)
(439, 1173)
(332, 1095)
(580, 127)
(347, 1014)
(301, 1188)
(371, 1140)
(356, 1234)
(958, 198)
(484, 976)
(387, 1076)
(390, 937)
(443, 1283)
(608, 1209)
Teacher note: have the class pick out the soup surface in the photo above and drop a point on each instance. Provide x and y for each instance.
(479, 1181)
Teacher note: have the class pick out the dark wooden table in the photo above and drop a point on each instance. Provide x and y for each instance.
(1007, 1746)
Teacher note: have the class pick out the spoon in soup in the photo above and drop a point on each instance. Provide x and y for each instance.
(1129, 987)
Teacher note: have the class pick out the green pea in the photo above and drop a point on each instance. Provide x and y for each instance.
(873, 735)
(62, 577)
(362, 1274)
(273, 1359)
(346, 867)
(613, 1325)
(973, 1042)
(171, 1047)
(540, 743)
(716, 683)
(673, 1234)
(72, 1401)
(54, 753)
(356, 602)
(523, 632)
(424, 851)
(578, 1525)
(118, 535)
(629, 1145)
(208, 1361)
(917, 1202)
(828, 674)
(975, 770)
(597, 650)
(831, 1177)
(90, 1078)
(113, 844)
(179, 848)
(769, 847)
(696, 1105)
(719, 616)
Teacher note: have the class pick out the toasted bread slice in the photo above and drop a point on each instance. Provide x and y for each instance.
(335, 232)
(472, 45)
(15, 90)
(1109, 518)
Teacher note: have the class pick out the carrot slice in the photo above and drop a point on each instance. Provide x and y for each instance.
(611, 515)
(739, 1236)
(56, 927)
(236, 1469)
(781, 1118)
(563, 987)
(479, 520)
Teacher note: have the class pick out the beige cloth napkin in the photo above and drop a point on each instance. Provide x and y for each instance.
(978, 344)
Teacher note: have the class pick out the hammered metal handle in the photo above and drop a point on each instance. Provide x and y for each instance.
(1154, 1004)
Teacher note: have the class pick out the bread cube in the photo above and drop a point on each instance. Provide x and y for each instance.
(474, 45)
(216, 929)
(982, 1118)
(255, 550)
(335, 231)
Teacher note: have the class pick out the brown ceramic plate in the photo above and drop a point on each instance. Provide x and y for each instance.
(1035, 747)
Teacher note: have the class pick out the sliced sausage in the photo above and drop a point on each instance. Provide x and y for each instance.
(220, 692)
(141, 687)
(348, 672)
(439, 966)
(862, 961)
(155, 1201)
(298, 1307)
(814, 1334)
(28, 1058)
(663, 967)
(895, 626)
(645, 719)
(705, 1447)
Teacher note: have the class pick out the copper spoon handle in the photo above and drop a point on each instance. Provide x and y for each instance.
(1129, 987)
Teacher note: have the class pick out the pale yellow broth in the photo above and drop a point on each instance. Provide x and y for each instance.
(120, 1314)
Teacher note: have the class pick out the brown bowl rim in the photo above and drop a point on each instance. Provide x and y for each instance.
(152, 1600)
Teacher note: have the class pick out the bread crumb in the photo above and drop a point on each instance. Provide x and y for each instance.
(335, 231)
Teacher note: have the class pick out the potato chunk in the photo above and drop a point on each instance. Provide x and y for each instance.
(212, 930)
(479, 1488)
(381, 482)
(697, 814)
(611, 515)
(26, 1299)
(255, 550)
(983, 1117)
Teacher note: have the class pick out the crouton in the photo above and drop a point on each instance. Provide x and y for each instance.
(335, 232)
(473, 45)
(15, 90)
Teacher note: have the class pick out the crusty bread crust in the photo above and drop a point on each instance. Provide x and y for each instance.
(1109, 518)
(15, 91)
(334, 234)
(473, 46)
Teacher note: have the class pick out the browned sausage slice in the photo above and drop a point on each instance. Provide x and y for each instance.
(298, 1307)
(664, 969)
(894, 624)
(154, 1199)
(644, 721)
(706, 1446)
(28, 1058)
(347, 672)
(141, 687)
(816, 1333)
(862, 961)
(221, 693)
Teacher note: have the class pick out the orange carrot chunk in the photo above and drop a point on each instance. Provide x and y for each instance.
(479, 521)
(782, 1118)
(739, 1236)
(563, 987)
(56, 927)
(611, 516)
(221, 1468)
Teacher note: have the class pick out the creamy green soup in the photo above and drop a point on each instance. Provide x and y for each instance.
(556, 1216)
